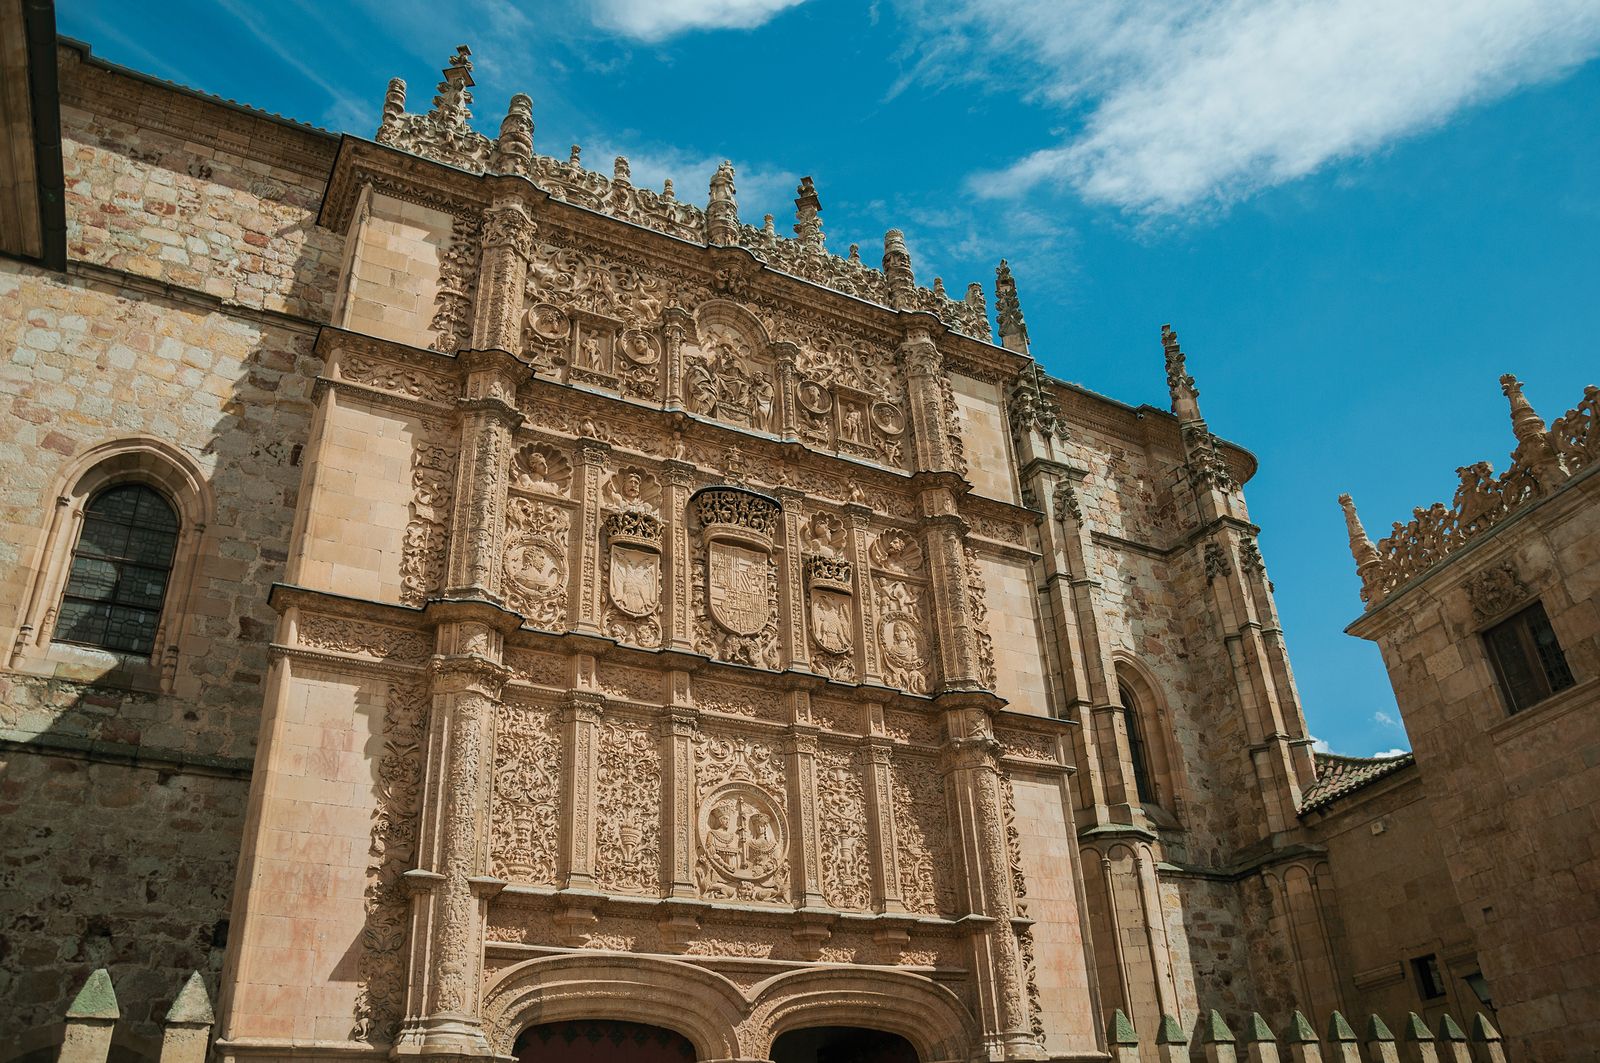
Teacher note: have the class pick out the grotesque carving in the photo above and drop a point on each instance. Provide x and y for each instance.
(628, 808)
(846, 866)
(432, 487)
(536, 561)
(527, 775)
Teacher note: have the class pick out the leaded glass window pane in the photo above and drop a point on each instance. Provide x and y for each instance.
(120, 569)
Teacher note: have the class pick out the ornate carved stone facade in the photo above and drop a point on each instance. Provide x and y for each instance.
(624, 612)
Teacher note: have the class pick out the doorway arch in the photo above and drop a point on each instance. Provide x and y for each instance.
(841, 1044)
(601, 1041)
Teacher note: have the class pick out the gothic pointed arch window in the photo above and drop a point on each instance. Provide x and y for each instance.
(1157, 773)
(121, 569)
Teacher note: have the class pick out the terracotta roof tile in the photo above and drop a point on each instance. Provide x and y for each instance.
(1338, 776)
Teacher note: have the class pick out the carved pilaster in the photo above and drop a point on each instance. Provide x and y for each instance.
(678, 727)
(508, 235)
(586, 588)
(806, 848)
(679, 478)
(880, 820)
(788, 381)
(924, 394)
(866, 612)
(478, 520)
(959, 665)
(987, 887)
(580, 719)
(676, 325)
(451, 886)
(792, 593)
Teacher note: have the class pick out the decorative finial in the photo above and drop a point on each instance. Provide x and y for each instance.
(1534, 451)
(450, 106)
(513, 151)
(621, 172)
(1185, 396)
(666, 191)
(575, 158)
(975, 298)
(897, 270)
(808, 216)
(722, 211)
(1013, 331)
(768, 227)
(394, 106)
(855, 254)
(1369, 566)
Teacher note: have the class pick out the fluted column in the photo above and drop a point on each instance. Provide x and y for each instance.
(880, 822)
(676, 325)
(679, 480)
(588, 474)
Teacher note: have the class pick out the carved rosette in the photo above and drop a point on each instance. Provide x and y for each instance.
(742, 822)
(380, 970)
(846, 860)
(628, 808)
(536, 561)
(433, 474)
(735, 579)
(524, 820)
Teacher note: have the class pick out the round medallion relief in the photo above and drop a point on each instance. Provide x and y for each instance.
(741, 833)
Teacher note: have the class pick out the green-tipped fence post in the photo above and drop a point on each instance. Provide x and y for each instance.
(1419, 1040)
(1343, 1046)
(1172, 1044)
(1380, 1043)
(1452, 1041)
(1218, 1040)
(1122, 1039)
(187, 1034)
(1486, 1046)
(1301, 1037)
(1260, 1044)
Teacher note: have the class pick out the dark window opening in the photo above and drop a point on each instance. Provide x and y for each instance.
(120, 567)
(1430, 980)
(1528, 660)
(1136, 748)
(841, 1044)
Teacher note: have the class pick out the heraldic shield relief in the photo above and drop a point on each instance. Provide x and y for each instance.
(736, 578)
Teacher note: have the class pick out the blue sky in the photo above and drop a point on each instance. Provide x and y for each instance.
(1356, 213)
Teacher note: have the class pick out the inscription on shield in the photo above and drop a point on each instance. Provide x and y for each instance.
(635, 581)
(736, 578)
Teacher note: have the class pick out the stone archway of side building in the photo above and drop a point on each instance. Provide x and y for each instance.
(841, 1044)
(602, 1041)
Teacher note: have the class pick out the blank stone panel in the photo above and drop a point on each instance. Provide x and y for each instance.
(985, 437)
(394, 271)
(1014, 625)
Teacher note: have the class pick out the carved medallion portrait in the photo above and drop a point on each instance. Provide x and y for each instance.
(742, 845)
(536, 561)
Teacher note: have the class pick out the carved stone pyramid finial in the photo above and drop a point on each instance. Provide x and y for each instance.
(808, 216)
(1368, 563)
(938, 288)
(575, 157)
(855, 254)
(722, 210)
(1013, 330)
(897, 270)
(1525, 421)
(768, 227)
(513, 150)
(1185, 396)
(1534, 451)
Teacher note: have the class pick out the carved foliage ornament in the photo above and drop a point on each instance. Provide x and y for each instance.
(846, 865)
(1495, 589)
(422, 559)
(527, 775)
(628, 808)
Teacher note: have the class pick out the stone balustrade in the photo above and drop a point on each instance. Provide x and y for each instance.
(1297, 1042)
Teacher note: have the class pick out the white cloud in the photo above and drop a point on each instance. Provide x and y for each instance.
(1205, 102)
(1320, 745)
(654, 20)
(1391, 752)
(1385, 719)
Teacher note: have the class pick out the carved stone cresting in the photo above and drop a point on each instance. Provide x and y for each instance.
(1495, 589)
(524, 818)
(433, 467)
(536, 561)
(742, 823)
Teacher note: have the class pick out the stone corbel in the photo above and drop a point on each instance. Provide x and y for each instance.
(811, 931)
(680, 922)
(892, 933)
(576, 916)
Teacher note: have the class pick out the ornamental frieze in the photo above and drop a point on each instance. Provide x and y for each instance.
(628, 808)
(524, 820)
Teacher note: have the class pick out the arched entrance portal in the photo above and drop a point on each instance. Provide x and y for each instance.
(602, 1041)
(841, 1044)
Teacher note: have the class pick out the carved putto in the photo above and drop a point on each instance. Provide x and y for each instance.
(632, 490)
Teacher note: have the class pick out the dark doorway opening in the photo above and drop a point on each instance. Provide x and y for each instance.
(842, 1044)
(602, 1041)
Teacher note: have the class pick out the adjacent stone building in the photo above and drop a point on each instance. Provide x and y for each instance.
(459, 602)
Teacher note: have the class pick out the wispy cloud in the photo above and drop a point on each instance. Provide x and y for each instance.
(1386, 720)
(1395, 752)
(344, 111)
(654, 20)
(1178, 106)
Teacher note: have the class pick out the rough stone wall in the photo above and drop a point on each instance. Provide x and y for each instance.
(179, 224)
(1384, 851)
(1514, 798)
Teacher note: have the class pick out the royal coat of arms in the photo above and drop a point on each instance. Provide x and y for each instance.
(635, 580)
(736, 587)
(831, 621)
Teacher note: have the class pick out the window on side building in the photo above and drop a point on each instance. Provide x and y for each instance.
(120, 570)
(1527, 658)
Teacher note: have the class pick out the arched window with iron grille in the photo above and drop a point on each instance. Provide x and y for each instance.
(121, 568)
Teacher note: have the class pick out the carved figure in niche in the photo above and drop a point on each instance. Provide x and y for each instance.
(632, 490)
(895, 551)
(539, 468)
(589, 354)
(727, 381)
(831, 621)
